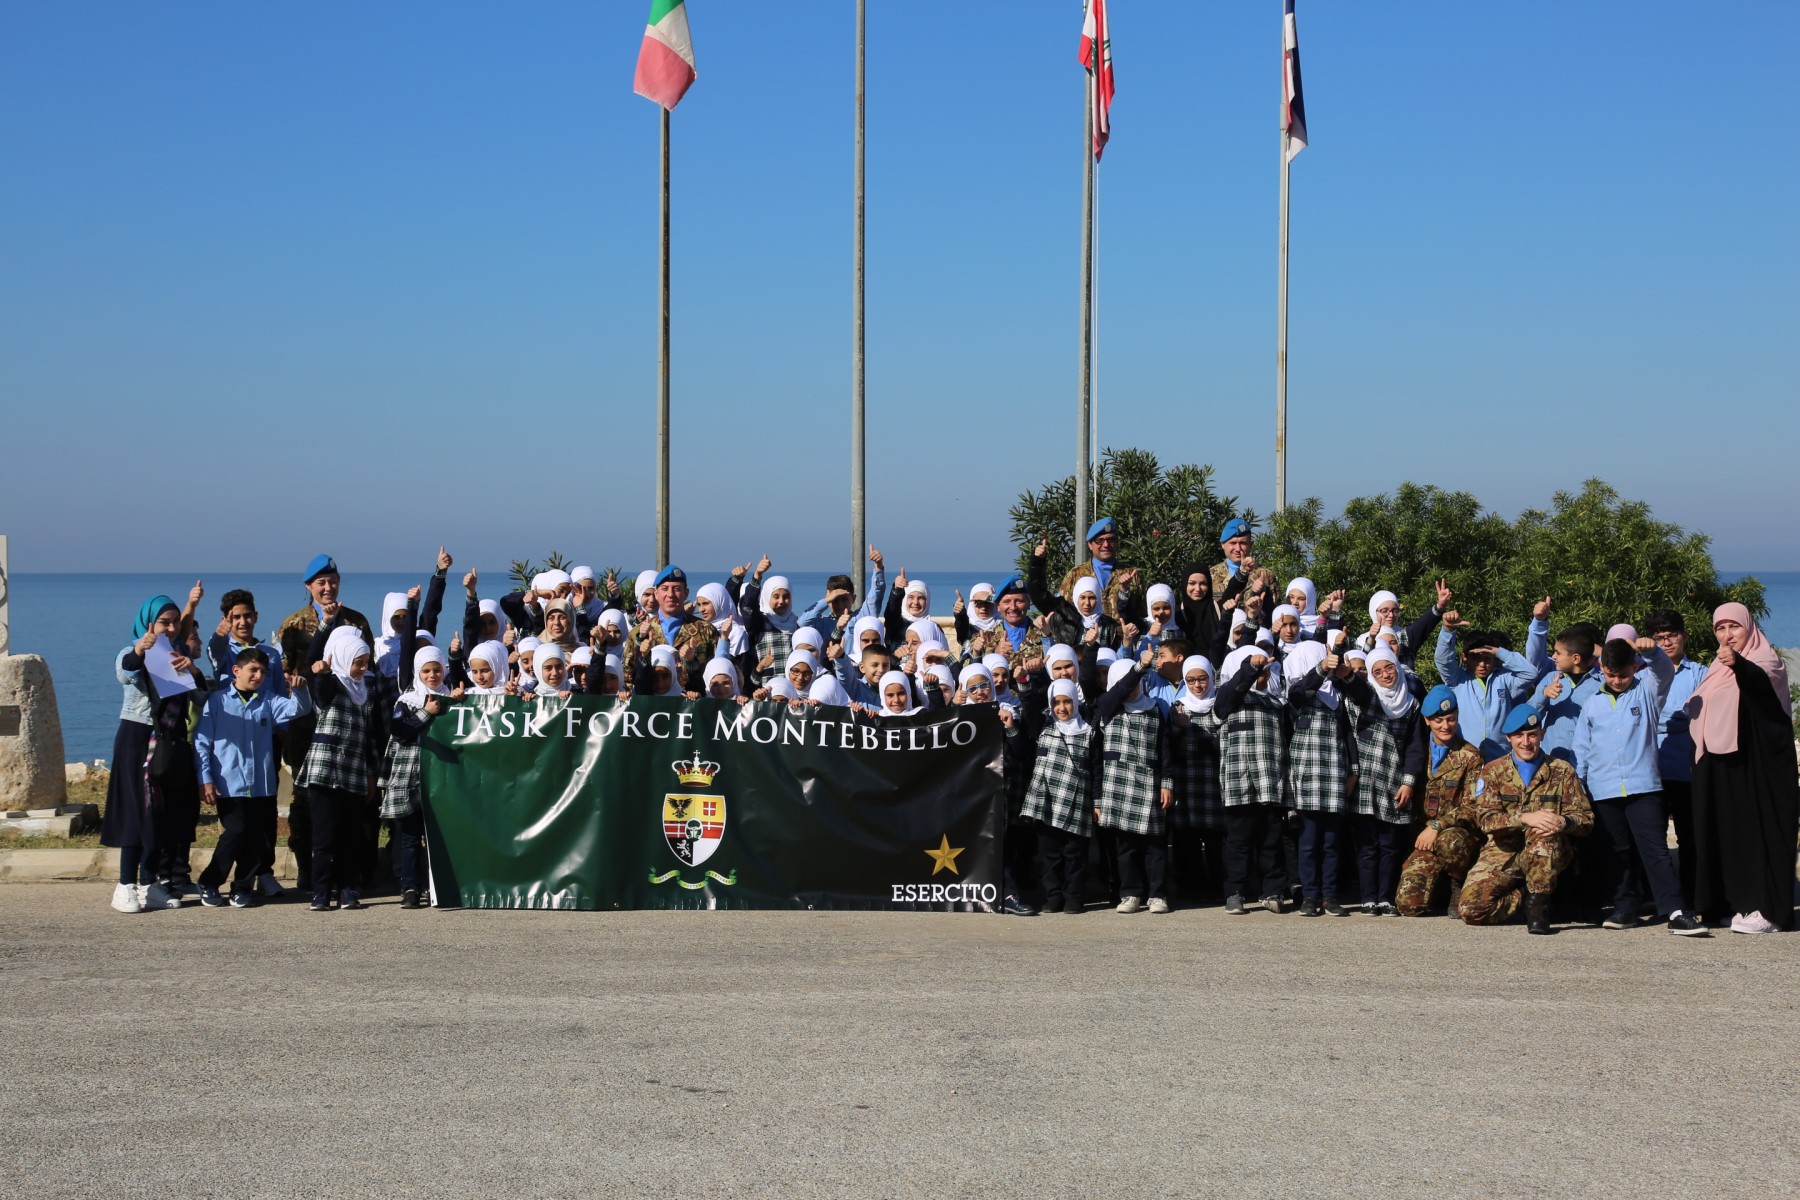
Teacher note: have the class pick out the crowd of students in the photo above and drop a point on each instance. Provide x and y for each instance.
(1213, 737)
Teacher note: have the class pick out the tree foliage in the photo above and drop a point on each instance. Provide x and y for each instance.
(1599, 556)
(1167, 518)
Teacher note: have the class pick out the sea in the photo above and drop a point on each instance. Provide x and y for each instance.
(79, 623)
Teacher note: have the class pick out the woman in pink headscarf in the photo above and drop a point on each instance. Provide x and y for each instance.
(1746, 796)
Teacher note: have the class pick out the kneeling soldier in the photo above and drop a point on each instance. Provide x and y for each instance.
(1448, 844)
(1529, 806)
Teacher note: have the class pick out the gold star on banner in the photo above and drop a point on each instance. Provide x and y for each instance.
(944, 857)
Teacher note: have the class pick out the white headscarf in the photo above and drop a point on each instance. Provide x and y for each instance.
(1164, 593)
(725, 609)
(1234, 662)
(493, 653)
(527, 645)
(796, 657)
(1287, 610)
(853, 644)
(929, 632)
(1087, 583)
(387, 642)
(1306, 657)
(491, 608)
(663, 656)
(555, 578)
(889, 680)
(827, 690)
(1198, 704)
(646, 581)
(545, 652)
(945, 677)
(1368, 641)
(971, 672)
(1397, 701)
(416, 694)
(615, 666)
(1066, 687)
(1305, 585)
(915, 587)
(788, 621)
(1059, 652)
(721, 666)
(342, 648)
(612, 618)
(781, 688)
(810, 638)
(983, 623)
(1139, 702)
(1105, 656)
(582, 657)
(996, 663)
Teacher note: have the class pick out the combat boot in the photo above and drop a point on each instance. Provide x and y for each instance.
(1537, 913)
(1455, 909)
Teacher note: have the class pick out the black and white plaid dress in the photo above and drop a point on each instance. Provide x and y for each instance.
(1058, 794)
(341, 754)
(1253, 752)
(400, 768)
(1318, 755)
(1198, 803)
(1381, 750)
(776, 644)
(1131, 774)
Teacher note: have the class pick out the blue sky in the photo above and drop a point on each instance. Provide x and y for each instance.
(368, 278)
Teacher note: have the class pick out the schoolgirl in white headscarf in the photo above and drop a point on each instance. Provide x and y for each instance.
(897, 695)
(488, 658)
(828, 691)
(715, 604)
(721, 679)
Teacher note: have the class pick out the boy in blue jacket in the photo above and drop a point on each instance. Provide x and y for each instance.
(1565, 689)
(1489, 678)
(1615, 755)
(234, 749)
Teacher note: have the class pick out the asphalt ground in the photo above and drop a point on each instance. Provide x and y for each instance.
(277, 1052)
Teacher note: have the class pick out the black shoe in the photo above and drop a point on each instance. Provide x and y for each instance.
(1310, 908)
(1684, 925)
(1234, 905)
(1537, 913)
(1012, 906)
(1620, 918)
(1074, 907)
(1334, 909)
(1454, 911)
(319, 904)
(409, 898)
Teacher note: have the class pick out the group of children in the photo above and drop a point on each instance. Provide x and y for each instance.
(1281, 760)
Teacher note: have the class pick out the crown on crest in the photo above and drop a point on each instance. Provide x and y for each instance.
(694, 772)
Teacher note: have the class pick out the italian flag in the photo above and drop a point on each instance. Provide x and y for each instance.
(665, 65)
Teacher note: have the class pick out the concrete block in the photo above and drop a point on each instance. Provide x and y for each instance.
(76, 772)
(56, 866)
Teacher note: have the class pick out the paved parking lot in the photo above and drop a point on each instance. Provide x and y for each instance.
(278, 1052)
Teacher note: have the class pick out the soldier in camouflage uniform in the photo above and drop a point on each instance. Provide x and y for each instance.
(1448, 844)
(1530, 806)
(1235, 542)
(1015, 635)
(1118, 586)
(694, 641)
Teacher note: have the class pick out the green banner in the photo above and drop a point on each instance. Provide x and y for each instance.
(597, 803)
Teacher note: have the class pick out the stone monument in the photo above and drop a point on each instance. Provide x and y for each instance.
(31, 741)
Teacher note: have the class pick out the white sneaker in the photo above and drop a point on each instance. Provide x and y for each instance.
(157, 896)
(1158, 904)
(125, 898)
(1131, 904)
(143, 895)
(265, 883)
(1753, 923)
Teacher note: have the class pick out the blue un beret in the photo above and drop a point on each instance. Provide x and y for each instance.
(1439, 701)
(1236, 527)
(1522, 718)
(1103, 525)
(320, 565)
(670, 574)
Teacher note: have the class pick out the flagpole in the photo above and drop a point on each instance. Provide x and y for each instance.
(1281, 337)
(1084, 455)
(859, 529)
(662, 371)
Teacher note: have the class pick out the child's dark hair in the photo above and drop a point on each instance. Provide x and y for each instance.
(1478, 640)
(233, 598)
(841, 581)
(1664, 620)
(1577, 641)
(1178, 647)
(1618, 655)
(1596, 636)
(254, 654)
(877, 648)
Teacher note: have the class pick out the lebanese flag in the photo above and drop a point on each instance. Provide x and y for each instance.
(665, 65)
(1096, 56)
(1293, 102)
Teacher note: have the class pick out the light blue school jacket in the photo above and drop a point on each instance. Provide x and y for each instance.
(1615, 740)
(234, 747)
(1483, 705)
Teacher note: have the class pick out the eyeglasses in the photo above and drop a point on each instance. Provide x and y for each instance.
(1667, 635)
(979, 685)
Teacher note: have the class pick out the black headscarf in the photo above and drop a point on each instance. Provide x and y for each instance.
(1199, 618)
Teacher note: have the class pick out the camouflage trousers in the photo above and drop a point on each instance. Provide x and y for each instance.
(1497, 883)
(1450, 856)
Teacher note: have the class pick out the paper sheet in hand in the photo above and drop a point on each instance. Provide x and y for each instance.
(169, 682)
